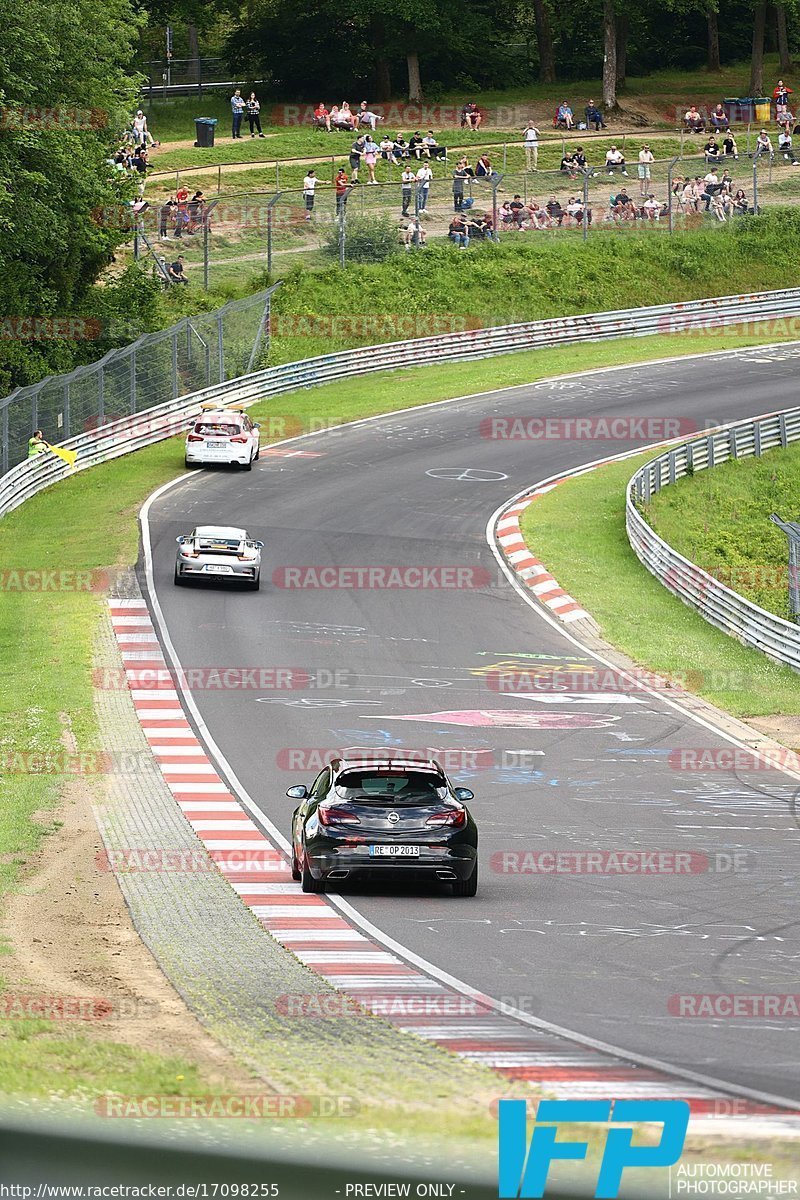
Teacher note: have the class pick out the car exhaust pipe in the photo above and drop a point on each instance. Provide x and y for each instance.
(337, 874)
(446, 873)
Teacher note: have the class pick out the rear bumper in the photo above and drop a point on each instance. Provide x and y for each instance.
(446, 863)
(238, 575)
(200, 458)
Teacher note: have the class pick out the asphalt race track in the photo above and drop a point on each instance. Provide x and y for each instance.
(597, 954)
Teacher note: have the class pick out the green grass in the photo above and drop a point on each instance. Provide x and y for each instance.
(635, 612)
(720, 520)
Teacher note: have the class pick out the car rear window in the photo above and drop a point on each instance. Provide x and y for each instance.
(223, 544)
(209, 429)
(396, 785)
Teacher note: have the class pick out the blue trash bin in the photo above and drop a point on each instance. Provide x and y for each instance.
(204, 128)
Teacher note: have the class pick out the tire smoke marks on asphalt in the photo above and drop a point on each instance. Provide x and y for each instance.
(498, 718)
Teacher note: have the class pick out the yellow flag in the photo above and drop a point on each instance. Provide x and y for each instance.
(69, 456)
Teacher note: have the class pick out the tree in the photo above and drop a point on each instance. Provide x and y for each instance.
(712, 27)
(65, 98)
(623, 25)
(609, 55)
(544, 42)
(757, 57)
(783, 40)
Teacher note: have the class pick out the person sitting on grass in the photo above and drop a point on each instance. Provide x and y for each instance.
(457, 231)
(504, 214)
(615, 161)
(594, 117)
(580, 163)
(386, 145)
(483, 167)
(651, 209)
(740, 203)
(785, 148)
(712, 150)
(693, 120)
(175, 271)
(729, 147)
(414, 234)
(568, 165)
(471, 116)
(322, 118)
(763, 146)
(623, 207)
(517, 210)
(554, 211)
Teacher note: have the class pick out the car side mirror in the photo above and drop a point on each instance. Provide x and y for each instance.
(299, 792)
(464, 794)
(180, 540)
(256, 425)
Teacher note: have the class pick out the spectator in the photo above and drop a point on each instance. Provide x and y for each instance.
(141, 134)
(785, 148)
(483, 167)
(400, 148)
(530, 137)
(367, 117)
(517, 210)
(423, 177)
(615, 161)
(341, 186)
(579, 159)
(386, 149)
(623, 207)
(763, 146)
(712, 150)
(651, 209)
(371, 152)
(237, 109)
(254, 115)
(322, 118)
(165, 213)
(471, 116)
(431, 147)
(711, 186)
(564, 116)
(539, 216)
(718, 207)
(459, 178)
(194, 211)
(693, 121)
(729, 147)
(740, 204)
(780, 95)
(688, 201)
(785, 119)
(487, 227)
(309, 184)
(719, 120)
(574, 210)
(505, 214)
(568, 165)
(415, 145)
(336, 121)
(646, 160)
(554, 211)
(356, 154)
(594, 117)
(407, 180)
(414, 234)
(457, 231)
(175, 271)
(347, 119)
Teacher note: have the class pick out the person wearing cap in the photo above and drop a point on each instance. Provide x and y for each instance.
(594, 117)
(615, 161)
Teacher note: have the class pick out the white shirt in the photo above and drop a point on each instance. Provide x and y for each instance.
(614, 156)
(424, 175)
(711, 177)
(531, 134)
(408, 176)
(309, 183)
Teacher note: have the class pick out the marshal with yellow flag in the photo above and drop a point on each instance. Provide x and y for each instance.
(69, 456)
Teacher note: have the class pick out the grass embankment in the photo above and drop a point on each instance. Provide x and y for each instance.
(89, 523)
(635, 612)
(720, 520)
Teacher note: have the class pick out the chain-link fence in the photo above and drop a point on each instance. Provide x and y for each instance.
(195, 353)
(242, 233)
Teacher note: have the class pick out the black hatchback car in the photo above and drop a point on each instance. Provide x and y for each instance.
(365, 818)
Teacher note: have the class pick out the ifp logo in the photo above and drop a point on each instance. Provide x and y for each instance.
(523, 1170)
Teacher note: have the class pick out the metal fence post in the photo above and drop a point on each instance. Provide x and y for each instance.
(4, 439)
(670, 195)
(342, 203)
(495, 185)
(755, 187)
(205, 255)
(270, 206)
(101, 396)
(585, 215)
(175, 363)
(67, 413)
(221, 349)
(133, 382)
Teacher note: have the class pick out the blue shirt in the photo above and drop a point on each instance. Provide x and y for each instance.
(238, 105)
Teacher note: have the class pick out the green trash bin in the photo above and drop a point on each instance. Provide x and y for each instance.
(204, 127)
(739, 110)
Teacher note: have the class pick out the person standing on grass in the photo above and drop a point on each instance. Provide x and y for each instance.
(164, 218)
(407, 180)
(309, 184)
(254, 115)
(237, 109)
(356, 154)
(459, 176)
(530, 138)
(424, 176)
(341, 186)
(646, 160)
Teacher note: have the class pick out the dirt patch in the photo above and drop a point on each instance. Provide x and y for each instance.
(69, 935)
(784, 729)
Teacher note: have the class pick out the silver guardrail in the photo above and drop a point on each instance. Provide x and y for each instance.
(161, 421)
(715, 601)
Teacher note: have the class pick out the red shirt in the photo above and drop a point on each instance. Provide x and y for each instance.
(341, 185)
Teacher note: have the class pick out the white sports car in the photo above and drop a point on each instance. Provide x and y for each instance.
(223, 436)
(219, 552)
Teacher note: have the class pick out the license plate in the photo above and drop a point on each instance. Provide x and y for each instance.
(217, 445)
(219, 570)
(394, 851)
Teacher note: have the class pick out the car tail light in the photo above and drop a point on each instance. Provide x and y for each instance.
(331, 816)
(194, 437)
(455, 818)
(239, 438)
